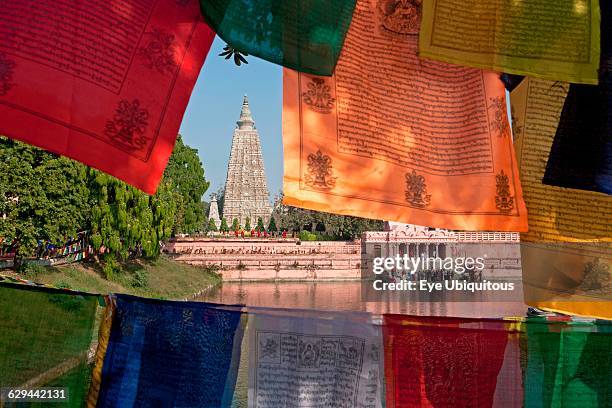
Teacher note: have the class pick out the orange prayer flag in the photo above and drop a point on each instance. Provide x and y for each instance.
(105, 83)
(394, 137)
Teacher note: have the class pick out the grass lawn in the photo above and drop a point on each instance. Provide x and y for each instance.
(161, 278)
(40, 330)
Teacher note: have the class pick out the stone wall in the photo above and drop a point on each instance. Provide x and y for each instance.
(271, 259)
(252, 259)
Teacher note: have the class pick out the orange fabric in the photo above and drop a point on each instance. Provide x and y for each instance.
(105, 83)
(394, 137)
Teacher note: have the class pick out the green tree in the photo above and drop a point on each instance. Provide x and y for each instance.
(186, 173)
(307, 236)
(247, 224)
(211, 225)
(235, 225)
(260, 225)
(220, 199)
(331, 225)
(272, 225)
(50, 198)
(127, 221)
(43, 196)
(223, 227)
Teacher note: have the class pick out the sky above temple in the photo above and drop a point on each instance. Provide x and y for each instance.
(214, 108)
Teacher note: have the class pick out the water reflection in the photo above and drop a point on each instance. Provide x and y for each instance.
(347, 296)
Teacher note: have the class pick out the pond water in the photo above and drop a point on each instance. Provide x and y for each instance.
(346, 296)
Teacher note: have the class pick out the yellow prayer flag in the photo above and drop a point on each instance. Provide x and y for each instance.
(567, 253)
(557, 40)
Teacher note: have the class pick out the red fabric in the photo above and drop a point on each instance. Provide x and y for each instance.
(105, 83)
(442, 362)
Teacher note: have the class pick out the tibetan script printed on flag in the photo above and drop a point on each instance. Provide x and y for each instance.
(567, 363)
(298, 361)
(391, 136)
(450, 361)
(171, 354)
(540, 38)
(567, 254)
(105, 82)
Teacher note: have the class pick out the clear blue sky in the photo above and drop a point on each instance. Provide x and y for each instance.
(214, 108)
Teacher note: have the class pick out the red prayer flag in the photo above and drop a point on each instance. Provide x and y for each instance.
(105, 83)
(443, 361)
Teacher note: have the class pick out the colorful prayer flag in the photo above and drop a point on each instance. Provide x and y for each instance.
(105, 83)
(303, 35)
(297, 360)
(171, 354)
(566, 255)
(581, 153)
(555, 214)
(45, 338)
(395, 137)
(568, 364)
(550, 40)
(446, 361)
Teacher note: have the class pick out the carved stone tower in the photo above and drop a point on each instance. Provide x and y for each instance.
(214, 211)
(246, 188)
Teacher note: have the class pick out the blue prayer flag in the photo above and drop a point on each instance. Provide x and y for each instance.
(171, 354)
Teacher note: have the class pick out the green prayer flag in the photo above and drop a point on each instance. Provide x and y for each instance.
(569, 364)
(305, 35)
(45, 336)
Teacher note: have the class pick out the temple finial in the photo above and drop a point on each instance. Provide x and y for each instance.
(246, 119)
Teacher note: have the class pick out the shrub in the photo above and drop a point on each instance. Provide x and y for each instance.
(31, 270)
(140, 279)
(63, 285)
(110, 267)
(307, 236)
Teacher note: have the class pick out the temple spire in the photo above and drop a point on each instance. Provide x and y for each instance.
(246, 187)
(246, 120)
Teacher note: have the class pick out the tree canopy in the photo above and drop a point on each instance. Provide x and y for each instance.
(46, 197)
(332, 226)
(223, 227)
(186, 172)
(212, 227)
(272, 225)
(127, 221)
(43, 196)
